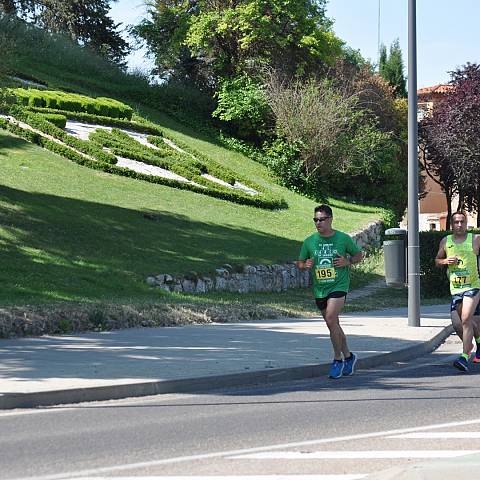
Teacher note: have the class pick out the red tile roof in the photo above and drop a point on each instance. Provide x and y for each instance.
(435, 89)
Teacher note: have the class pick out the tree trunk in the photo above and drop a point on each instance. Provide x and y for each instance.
(448, 196)
(478, 209)
(461, 201)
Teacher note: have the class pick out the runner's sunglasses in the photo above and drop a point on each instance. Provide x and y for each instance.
(321, 219)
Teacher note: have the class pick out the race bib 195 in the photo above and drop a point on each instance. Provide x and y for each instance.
(323, 273)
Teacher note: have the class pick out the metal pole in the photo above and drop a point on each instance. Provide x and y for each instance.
(378, 36)
(413, 249)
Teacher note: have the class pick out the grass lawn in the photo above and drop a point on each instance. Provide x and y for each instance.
(68, 233)
(71, 234)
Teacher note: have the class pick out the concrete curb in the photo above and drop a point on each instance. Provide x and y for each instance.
(199, 384)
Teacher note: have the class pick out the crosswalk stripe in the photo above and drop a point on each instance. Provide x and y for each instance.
(229, 453)
(426, 435)
(339, 454)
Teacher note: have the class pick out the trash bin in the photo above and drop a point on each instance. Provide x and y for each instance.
(395, 257)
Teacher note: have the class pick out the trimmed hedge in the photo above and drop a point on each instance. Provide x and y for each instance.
(58, 120)
(215, 169)
(192, 164)
(147, 127)
(260, 201)
(37, 121)
(433, 280)
(55, 99)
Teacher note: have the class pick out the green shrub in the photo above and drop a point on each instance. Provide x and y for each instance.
(58, 120)
(65, 325)
(243, 105)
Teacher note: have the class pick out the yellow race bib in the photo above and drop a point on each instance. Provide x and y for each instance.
(460, 279)
(323, 273)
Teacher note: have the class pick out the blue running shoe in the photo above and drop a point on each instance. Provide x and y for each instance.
(461, 363)
(349, 365)
(336, 369)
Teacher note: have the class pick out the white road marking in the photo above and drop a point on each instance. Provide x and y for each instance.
(15, 413)
(357, 454)
(238, 477)
(438, 435)
(205, 456)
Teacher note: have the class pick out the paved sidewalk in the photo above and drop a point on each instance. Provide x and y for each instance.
(52, 370)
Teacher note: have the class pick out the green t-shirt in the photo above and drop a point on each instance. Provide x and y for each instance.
(327, 278)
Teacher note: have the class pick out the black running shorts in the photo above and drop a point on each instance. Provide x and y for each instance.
(322, 302)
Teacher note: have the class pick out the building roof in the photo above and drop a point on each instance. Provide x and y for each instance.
(435, 89)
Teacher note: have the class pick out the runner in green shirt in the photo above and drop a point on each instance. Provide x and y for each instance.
(329, 254)
(459, 252)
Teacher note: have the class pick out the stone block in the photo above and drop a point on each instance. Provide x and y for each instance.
(188, 286)
(151, 281)
(220, 284)
(200, 286)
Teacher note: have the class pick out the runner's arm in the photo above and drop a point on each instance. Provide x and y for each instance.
(357, 258)
(304, 264)
(441, 259)
(476, 244)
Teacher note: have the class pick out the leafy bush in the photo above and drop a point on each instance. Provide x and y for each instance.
(243, 104)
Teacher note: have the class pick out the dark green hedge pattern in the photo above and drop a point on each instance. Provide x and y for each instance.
(224, 194)
(214, 168)
(120, 143)
(143, 127)
(107, 107)
(58, 120)
(37, 121)
(184, 164)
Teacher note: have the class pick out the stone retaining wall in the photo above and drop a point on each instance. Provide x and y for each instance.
(256, 278)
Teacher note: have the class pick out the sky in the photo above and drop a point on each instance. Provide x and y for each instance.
(448, 34)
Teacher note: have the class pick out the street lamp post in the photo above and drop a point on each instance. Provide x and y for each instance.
(413, 248)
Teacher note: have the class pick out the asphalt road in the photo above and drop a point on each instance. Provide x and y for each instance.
(419, 411)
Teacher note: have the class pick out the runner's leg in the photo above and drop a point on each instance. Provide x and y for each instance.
(469, 305)
(337, 336)
(456, 323)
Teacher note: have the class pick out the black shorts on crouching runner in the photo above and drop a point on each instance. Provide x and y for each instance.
(458, 298)
(322, 302)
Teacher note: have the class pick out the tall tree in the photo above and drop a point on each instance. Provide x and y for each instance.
(391, 68)
(436, 165)
(453, 132)
(382, 60)
(84, 21)
(230, 38)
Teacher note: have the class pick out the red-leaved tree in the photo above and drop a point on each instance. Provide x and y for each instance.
(450, 138)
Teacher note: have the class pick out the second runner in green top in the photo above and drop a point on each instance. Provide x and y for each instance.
(464, 274)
